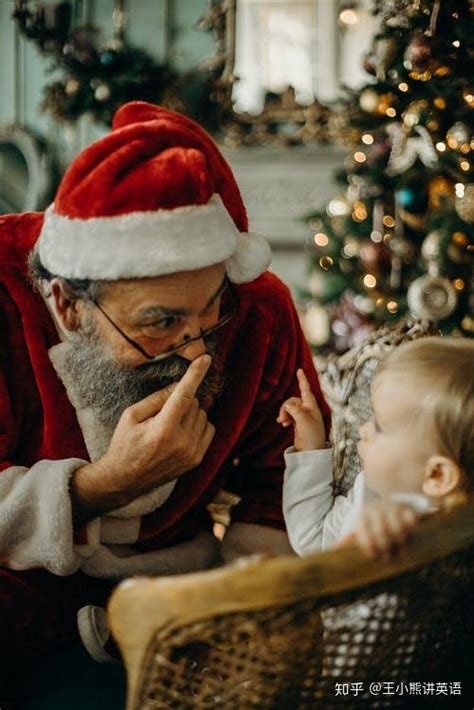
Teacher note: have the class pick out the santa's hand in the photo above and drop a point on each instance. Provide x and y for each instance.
(383, 528)
(303, 412)
(155, 441)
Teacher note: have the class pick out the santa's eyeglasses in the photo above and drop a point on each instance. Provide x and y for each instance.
(232, 306)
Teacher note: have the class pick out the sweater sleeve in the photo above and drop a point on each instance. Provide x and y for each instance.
(313, 516)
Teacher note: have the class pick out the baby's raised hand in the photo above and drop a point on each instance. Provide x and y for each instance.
(303, 412)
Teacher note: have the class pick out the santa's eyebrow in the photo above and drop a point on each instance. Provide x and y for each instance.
(163, 311)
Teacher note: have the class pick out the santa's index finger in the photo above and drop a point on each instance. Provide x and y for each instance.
(307, 396)
(183, 395)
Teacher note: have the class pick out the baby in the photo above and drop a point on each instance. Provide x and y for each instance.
(417, 448)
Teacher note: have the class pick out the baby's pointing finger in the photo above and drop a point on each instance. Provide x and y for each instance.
(305, 389)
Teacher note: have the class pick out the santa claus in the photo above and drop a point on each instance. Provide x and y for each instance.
(145, 352)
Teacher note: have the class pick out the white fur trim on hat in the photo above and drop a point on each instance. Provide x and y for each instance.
(251, 258)
(145, 244)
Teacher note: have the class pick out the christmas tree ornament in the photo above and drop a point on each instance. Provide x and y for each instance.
(385, 50)
(458, 135)
(371, 255)
(412, 198)
(432, 298)
(464, 203)
(440, 191)
(419, 53)
(432, 247)
(407, 148)
(369, 63)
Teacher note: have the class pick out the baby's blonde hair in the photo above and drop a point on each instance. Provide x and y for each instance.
(446, 365)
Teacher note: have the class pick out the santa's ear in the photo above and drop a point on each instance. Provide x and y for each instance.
(66, 304)
(442, 476)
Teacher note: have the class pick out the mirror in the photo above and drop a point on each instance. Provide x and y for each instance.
(27, 173)
(275, 67)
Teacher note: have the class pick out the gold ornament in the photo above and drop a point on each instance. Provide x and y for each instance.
(465, 204)
(432, 297)
(440, 189)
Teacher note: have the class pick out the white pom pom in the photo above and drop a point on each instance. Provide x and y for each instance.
(251, 258)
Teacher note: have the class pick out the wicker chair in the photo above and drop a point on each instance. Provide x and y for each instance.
(329, 630)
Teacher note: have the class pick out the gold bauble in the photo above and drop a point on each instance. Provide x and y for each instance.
(465, 205)
(440, 189)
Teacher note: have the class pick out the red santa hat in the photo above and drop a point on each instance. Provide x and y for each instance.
(154, 196)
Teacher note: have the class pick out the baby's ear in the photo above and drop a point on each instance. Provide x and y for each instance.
(442, 476)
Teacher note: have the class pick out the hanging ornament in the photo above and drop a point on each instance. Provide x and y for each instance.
(385, 50)
(464, 204)
(419, 53)
(406, 149)
(372, 255)
(316, 325)
(369, 63)
(458, 136)
(440, 190)
(432, 297)
(432, 247)
(412, 197)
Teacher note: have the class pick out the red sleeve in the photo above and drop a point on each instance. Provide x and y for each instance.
(258, 477)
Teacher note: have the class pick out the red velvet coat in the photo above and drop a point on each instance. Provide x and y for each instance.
(263, 348)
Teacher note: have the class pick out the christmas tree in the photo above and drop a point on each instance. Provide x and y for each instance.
(399, 238)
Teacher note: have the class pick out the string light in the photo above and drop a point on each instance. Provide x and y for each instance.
(321, 240)
(392, 306)
(464, 165)
(439, 102)
(326, 262)
(360, 157)
(359, 214)
(376, 236)
(370, 281)
(388, 221)
(391, 113)
(403, 86)
(456, 43)
(459, 189)
(380, 302)
(458, 284)
(441, 146)
(348, 16)
(367, 138)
